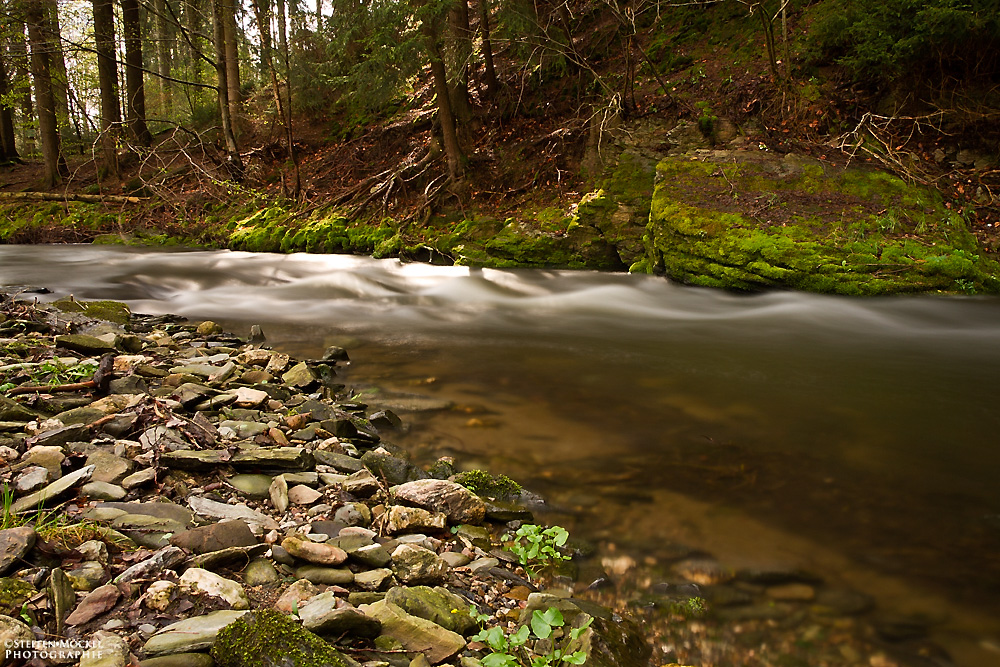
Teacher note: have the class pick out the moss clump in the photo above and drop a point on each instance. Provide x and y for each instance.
(268, 638)
(13, 594)
(109, 311)
(484, 484)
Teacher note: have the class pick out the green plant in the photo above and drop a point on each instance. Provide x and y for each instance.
(55, 372)
(512, 650)
(537, 547)
(691, 608)
(966, 286)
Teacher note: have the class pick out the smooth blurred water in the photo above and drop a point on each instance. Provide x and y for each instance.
(869, 427)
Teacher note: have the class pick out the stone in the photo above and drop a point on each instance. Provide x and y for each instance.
(259, 523)
(341, 462)
(436, 604)
(319, 554)
(353, 514)
(300, 376)
(102, 491)
(180, 660)
(14, 633)
(413, 520)
(303, 495)
(53, 490)
(252, 485)
(159, 595)
(477, 536)
(62, 597)
(190, 459)
(278, 492)
(414, 633)
(11, 410)
(295, 595)
(60, 436)
(164, 559)
(455, 501)
(249, 398)
(385, 420)
(202, 581)
(13, 594)
(215, 537)
(87, 576)
(93, 550)
(98, 602)
(84, 344)
(392, 469)
(326, 615)
(373, 580)
(32, 479)
(161, 508)
(325, 575)
(231, 557)
(15, 543)
(50, 458)
(414, 565)
(131, 384)
(268, 638)
(140, 478)
(191, 634)
(373, 555)
(260, 572)
(85, 415)
(454, 558)
(207, 328)
(277, 458)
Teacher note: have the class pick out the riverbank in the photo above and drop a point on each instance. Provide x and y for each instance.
(207, 474)
(729, 214)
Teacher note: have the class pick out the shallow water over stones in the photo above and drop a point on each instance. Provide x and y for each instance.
(854, 439)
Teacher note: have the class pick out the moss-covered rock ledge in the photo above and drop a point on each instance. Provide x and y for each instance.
(745, 220)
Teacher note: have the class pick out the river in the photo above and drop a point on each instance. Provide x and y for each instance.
(855, 438)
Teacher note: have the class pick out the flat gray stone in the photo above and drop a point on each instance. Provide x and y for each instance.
(191, 634)
(102, 491)
(280, 458)
(258, 522)
(108, 467)
(414, 633)
(15, 543)
(255, 486)
(215, 537)
(53, 490)
(321, 615)
(325, 575)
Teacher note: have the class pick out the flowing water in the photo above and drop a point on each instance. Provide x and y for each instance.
(855, 438)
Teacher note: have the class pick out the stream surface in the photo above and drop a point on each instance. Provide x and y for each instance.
(854, 438)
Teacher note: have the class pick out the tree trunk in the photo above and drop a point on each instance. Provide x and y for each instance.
(164, 34)
(8, 147)
(490, 75)
(283, 33)
(449, 133)
(22, 74)
(135, 94)
(460, 51)
(41, 72)
(222, 71)
(231, 47)
(263, 15)
(57, 67)
(107, 76)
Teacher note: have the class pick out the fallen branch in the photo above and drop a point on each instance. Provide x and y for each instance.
(51, 389)
(55, 196)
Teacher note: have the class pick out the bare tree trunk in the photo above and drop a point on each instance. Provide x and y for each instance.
(57, 66)
(452, 147)
(41, 72)
(22, 74)
(8, 146)
(107, 76)
(490, 75)
(135, 93)
(221, 70)
(263, 15)
(460, 51)
(231, 47)
(164, 33)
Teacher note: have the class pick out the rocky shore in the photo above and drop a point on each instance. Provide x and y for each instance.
(175, 496)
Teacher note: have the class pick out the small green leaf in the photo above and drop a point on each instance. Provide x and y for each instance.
(554, 617)
(541, 627)
(519, 637)
(499, 660)
(577, 658)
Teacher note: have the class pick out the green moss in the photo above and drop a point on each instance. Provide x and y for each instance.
(109, 311)
(268, 638)
(484, 484)
(13, 594)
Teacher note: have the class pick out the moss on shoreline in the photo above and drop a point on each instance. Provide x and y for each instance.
(739, 220)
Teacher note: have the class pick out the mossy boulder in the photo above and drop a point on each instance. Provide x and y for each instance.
(268, 638)
(737, 220)
(109, 311)
(13, 594)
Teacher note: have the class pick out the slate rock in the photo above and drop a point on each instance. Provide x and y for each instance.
(341, 462)
(53, 490)
(260, 572)
(361, 484)
(140, 478)
(180, 660)
(295, 595)
(102, 491)
(166, 558)
(253, 485)
(12, 411)
(303, 495)
(415, 565)
(191, 634)
(198, 580)
(98, 602)
(454, 500)
(84, 344)
(32, 479)
(60, 436)
(215, 537)
(108, 467)
(322, 616)
(13, 632)
(353, 514)
(131, 384)
(392, 469)
(15, 543)
(325, 575)
(436, 604)
(414, 633)
(190, 459)
(278, 458)
(373, 580)
(258, 522)
(319, 554)
(414, 520)
(278, 493)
